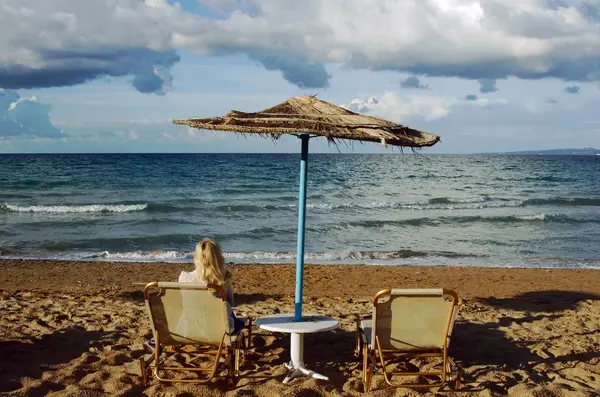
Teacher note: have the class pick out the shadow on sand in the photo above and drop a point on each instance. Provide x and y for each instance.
(542, 301)
(329, 353)
(487, 344)
(31, 357)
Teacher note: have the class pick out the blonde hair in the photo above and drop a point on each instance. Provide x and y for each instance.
(209, 262)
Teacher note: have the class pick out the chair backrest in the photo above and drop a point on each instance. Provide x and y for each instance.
(414, 319)
(187, 313)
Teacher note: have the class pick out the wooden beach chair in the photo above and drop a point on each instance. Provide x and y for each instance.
(405, 324)
(190, 323)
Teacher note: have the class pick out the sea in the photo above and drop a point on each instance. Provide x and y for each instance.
(374, 209)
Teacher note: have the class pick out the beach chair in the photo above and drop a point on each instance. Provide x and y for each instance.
(190, 323)
(405, 324)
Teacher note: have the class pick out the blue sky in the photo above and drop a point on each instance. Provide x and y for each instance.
(109, 75)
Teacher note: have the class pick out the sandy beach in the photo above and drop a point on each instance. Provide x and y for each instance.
(77, 328)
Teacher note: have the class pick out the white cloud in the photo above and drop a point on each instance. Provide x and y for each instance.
(466, 38)
(61, 43)
(25, 116)
(74, 42)
(127, 135)
(391, 105)
(192, 136)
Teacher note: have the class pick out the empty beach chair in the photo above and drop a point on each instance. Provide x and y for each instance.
(190, 323)
(409, 323)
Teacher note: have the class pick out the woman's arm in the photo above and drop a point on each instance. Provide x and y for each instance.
(229, 292)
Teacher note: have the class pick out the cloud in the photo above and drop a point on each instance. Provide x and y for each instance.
(473, 39)
(127, 135)
(56, 43)
(296, 69)
(470, 97)
(192, 135)
(25, 116)
(487, 85)
(413, 82)
(358, 105)
(392, 106)
(573, 89)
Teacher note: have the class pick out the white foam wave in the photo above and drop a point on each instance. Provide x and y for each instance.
(477, 199)
(63, 209)
(341, 257)
(257, 256)
(420, 206)
(143, 255)
(532, 217)
(312, 256)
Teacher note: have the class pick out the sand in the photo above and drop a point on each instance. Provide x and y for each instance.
(77, 329)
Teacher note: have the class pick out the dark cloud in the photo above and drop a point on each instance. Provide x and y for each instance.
(551, 100)
(584, 69)
(487, 85)
(296, 69)
(25, 117)
(150, 69)
(413, 82)
(470, 97)
(573, 89)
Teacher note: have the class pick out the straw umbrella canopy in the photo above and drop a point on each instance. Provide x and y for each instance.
(308, 117)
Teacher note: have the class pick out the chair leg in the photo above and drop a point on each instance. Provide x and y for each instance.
(358, 349)
(143, 372)
(457, 381)
(249, 344)
(367, 369)
(231, 365)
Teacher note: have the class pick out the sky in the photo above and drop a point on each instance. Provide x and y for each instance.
(100, 76)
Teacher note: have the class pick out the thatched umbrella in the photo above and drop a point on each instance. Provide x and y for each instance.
(308, 117)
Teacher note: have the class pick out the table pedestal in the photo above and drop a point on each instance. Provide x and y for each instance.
(296, 365)
(310, 323)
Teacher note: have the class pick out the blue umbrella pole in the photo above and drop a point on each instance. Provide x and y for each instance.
(301, 219)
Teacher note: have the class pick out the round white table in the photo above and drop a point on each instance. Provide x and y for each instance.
(310, 323)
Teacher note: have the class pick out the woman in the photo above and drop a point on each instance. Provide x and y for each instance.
(212, 269)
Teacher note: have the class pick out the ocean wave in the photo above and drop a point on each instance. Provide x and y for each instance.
(447, 204)
(533, 217)
(396, 258)
(437, 203)
(534, 179)
(35, 183)
(255, 256)
(324, 256)
(14, 196)
(442, 203)
(449, 220)
(576, 201)
(62, 209)
(459, 200)
(153, 256)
